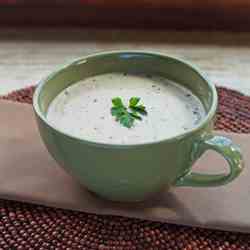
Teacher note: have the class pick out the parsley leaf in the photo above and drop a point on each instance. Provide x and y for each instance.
(127, 120)
(134, 114)
(137, 108)
(122, 114)
(140, 109)
(117, 102)
(133, 101)
(117, 111)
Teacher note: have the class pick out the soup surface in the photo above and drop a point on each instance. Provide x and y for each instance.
(84, 109)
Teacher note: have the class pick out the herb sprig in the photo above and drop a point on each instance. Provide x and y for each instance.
(127, 116)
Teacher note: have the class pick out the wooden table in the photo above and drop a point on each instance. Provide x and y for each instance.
(27, 55)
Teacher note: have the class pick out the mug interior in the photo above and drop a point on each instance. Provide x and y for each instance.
(131, 62)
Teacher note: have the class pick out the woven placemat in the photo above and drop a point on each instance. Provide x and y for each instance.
(26, 226)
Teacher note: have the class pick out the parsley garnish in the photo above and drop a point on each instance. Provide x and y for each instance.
(127, 116)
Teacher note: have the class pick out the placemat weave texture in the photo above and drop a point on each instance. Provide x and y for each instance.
(25, 226)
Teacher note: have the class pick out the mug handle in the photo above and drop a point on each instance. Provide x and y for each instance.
(228, 150)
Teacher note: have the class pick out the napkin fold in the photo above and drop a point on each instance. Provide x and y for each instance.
(28, 173)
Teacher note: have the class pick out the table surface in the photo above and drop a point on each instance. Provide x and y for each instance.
(27, 55)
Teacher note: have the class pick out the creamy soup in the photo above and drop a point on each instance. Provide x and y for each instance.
(83, 109)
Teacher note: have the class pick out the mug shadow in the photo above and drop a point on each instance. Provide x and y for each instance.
(164, 206)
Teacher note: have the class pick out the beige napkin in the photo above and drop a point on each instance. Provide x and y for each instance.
(28, 173)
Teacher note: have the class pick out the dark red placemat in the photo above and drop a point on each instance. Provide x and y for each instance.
(26, 226)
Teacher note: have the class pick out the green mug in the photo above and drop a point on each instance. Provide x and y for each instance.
(135, 172)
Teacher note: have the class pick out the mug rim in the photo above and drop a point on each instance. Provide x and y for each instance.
(208, 117)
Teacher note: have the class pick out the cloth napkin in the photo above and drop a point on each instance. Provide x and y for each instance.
(28, 173)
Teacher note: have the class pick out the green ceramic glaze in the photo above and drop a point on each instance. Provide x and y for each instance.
(135, 172)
